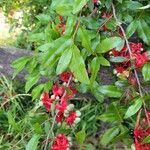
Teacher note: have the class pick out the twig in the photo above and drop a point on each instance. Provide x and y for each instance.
(77, 26)
(130, 53)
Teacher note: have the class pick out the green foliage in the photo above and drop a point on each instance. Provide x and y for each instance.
(71, 35)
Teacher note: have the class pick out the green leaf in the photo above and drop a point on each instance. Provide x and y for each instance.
(108, 44)
(118, 59)
(94, 90)
(107, 117)
(43, 18)
(131, 28)
(146, 71)
(114, 114)
(12, 122)
(64, 61)
(146, 140)
(31, 80)
(33, 143)
(95, 66)
(109, 135)
(55, 50)
(144, 31)
(37, 91)
(104, 61)
(78, 5)
(110, 91)
(64, 9)
(77, 66)
(81, 136)
(71, 22)
(19, 64)
(133, 109)
(86, 41)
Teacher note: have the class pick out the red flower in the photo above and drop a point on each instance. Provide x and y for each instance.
(119, 69)
(136, 47)
(59, 117)
(47, 102)
(63, 105)
(65, 76)
(57, 90)
(61, 142)
(141, 59)
(139, 133)
(94, 1)
(71, 118)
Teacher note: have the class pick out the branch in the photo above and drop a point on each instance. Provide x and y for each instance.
(130, 53)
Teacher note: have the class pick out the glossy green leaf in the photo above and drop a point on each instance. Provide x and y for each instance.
(19, 64)
(81, 136)
(144, 31)
(108, 44)
(95, 66)
(110, 91)
(55, 50)
(146, 140)
(64, 9)
(131, 28)
(64, 61)
(134, 108)
(31, 80)
(33, 143)
(104, 61)
(77, 66)
(146, 71)
(118, 59)
(71, 22)
(37, 91)
(78, 5)
(109, 135)
(85, 39)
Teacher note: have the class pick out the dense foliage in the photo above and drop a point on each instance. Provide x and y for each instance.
(72, 42)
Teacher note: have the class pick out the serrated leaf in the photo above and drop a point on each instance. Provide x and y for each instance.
(33, 143)
(134, 108)
(19, 64)
(64, 61)
(77, 66)
(85, 39)
(131, 28)
(146, 71)
(78, 5)
(110, 91)
(144, 31)
(108, 44)
(109, 135)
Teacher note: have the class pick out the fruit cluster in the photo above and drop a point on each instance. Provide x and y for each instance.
(65, 112)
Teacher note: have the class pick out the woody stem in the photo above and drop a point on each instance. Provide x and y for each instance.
(130, 53)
